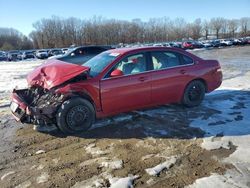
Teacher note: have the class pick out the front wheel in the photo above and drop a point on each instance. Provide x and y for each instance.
(75, 115)
(194, 93)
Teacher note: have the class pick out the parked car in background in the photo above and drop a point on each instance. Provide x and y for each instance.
(41, 54)
(158, 45)
(80, 55)
(3, 56)
(54, 52)
(192, 44)
(65, 50)
(247, 40)
(207, 44)
(216, 43)
(187, 45)
(28, 55)
(236, 42)
(224, 42)
(197, 44)
(13, 55)
(112, 82)
(175, 44)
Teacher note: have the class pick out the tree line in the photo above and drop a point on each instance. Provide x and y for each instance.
(11, 39)
(58, 32)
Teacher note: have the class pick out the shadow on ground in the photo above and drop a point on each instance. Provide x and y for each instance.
(175, 121)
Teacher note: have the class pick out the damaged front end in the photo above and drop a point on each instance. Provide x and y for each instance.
(35, 105)
(39, 103)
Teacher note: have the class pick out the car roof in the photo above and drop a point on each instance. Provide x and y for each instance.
(134, 49)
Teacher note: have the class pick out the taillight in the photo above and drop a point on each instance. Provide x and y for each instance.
(219, 70)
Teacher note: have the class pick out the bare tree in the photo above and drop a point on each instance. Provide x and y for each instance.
(217, 24)
(56, 32)
(245, 26)
(232, 26)
(195, 28)
(206, 28)
(11, 39)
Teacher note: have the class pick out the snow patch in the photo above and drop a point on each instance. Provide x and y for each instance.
(24, 184)
(93, 150)
(92, 161)
(165, 165)
(123, 117)
(126, 182)
(214, 180)
(161, 132)
(40, 152)
(40, 167)
(95, 181)
(7, 174)
(210, 144)
(15, 73)
(117, 164)
(147, 157)
(150, 181)
(43, 178)
(233, 124)
(56, 160)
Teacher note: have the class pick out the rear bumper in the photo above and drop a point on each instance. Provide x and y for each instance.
(215, 82)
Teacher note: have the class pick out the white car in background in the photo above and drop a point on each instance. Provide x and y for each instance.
(41, 54)
(226, 42)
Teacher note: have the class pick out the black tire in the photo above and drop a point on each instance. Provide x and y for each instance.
(194, 93)
(75, 115)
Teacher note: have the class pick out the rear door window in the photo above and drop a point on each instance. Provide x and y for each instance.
(165, 59)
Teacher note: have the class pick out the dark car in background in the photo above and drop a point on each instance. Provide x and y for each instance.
(216, 43)
(80, 55)
(3, 56)
(175, 44)
(14, 55)
(28, 55)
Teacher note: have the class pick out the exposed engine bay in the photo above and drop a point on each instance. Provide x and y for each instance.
(41, 105)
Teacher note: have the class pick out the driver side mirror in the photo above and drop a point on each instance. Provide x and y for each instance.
(116, 73)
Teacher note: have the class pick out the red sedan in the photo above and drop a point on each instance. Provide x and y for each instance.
(72, 96)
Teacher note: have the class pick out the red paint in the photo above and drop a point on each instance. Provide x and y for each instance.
(128, 92)
(53, 73)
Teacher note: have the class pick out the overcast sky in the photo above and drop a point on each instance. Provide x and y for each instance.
(20, 14)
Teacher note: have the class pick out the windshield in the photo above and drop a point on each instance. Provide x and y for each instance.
(99, 62)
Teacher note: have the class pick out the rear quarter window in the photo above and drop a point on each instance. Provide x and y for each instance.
(187, 60)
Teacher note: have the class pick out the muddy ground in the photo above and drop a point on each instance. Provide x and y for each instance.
(122, 145)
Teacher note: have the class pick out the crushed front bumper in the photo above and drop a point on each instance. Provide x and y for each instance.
(18, 107)
(31, 106)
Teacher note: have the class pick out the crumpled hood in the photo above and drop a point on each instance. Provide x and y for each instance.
(53, 73)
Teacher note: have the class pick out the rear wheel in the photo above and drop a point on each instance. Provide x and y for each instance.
(75, 115)
(194, 93)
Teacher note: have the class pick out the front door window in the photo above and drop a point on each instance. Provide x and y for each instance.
(132, 64)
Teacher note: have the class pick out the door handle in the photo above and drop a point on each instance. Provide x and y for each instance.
(142, 79)
(182, 71)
